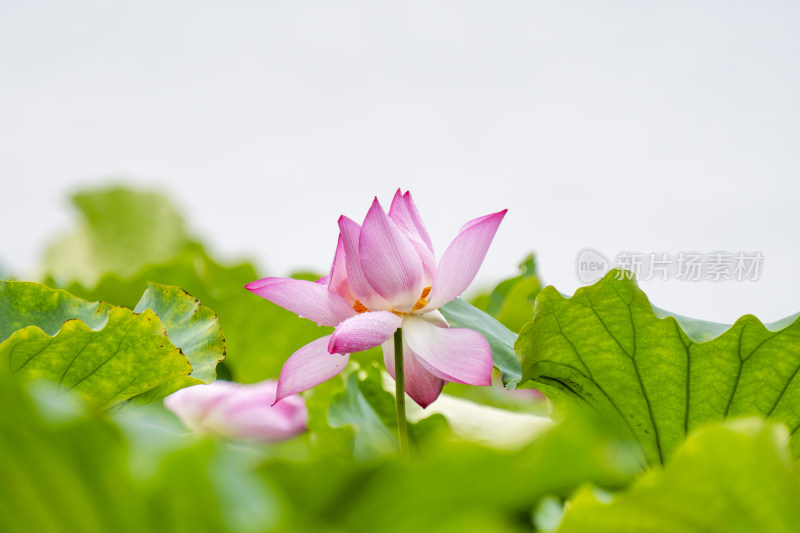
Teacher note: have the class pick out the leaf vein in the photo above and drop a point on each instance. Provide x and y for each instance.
(109, 358)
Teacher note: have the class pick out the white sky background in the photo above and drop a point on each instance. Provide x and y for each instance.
(651, 126)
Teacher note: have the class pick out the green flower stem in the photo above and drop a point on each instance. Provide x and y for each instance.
(400, 394)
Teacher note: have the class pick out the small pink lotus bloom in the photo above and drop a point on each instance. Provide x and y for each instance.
(239, 411)
(384, 276)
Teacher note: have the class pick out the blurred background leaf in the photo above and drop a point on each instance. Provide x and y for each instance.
(65, 470)
(511, 301)
(120, 230)
(731, 477)
(353, 416)
(371, 437)
(452, 485)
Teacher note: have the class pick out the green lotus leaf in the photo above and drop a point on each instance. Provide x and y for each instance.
(661, 375)
(461, 314)
(109, 355)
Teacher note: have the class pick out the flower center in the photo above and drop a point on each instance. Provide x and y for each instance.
(358, 307)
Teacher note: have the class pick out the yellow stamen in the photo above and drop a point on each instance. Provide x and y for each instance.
(422, 302)
(358, 307)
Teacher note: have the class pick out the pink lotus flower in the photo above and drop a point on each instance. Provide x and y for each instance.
(239, 411)
(384, 276)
